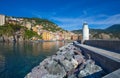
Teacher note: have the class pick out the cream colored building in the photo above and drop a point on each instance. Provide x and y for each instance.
(2, 19)
(29, 25)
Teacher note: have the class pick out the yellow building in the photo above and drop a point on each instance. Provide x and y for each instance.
(46, 35)
(67, 35)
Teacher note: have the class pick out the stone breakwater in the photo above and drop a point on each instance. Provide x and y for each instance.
(68, 62)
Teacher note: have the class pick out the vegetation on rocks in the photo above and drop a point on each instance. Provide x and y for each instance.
(29, 34)
(9, 30)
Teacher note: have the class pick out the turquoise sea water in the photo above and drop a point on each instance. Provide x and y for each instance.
(17, 59)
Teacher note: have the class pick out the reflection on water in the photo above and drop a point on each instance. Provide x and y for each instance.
(16, 60)
(2, 63)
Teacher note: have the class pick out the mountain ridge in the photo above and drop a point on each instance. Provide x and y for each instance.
(112, 31)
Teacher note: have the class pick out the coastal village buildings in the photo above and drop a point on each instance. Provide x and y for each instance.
(67, 35)
(35, 29)
(28, 25)
(79, 36)
(14, 21)
(2, 19)
(74, 37)
(61, 36)
(38, 29)
(47, 35)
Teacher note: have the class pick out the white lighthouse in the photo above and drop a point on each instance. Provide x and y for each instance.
(85, 31)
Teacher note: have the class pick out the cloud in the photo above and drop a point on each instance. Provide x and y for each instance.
(100, 21)
(104, 23)
(68, 23)
(113, 19)
(74, 23)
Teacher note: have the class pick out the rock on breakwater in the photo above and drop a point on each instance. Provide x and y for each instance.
(68, 62)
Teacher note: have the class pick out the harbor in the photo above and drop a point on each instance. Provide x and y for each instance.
(68, 62)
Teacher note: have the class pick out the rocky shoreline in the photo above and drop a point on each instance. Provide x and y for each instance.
(68, 62)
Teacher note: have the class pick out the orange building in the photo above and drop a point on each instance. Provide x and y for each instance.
(34, 29)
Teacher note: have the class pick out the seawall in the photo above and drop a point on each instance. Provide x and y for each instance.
(112, 45)
(108, 60)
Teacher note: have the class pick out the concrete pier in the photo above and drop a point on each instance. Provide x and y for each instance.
(108, 60)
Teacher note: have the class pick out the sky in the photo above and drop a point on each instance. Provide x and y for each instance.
(68, 14)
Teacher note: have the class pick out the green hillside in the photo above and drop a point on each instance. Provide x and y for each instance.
(114, 28)
(47, 24)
